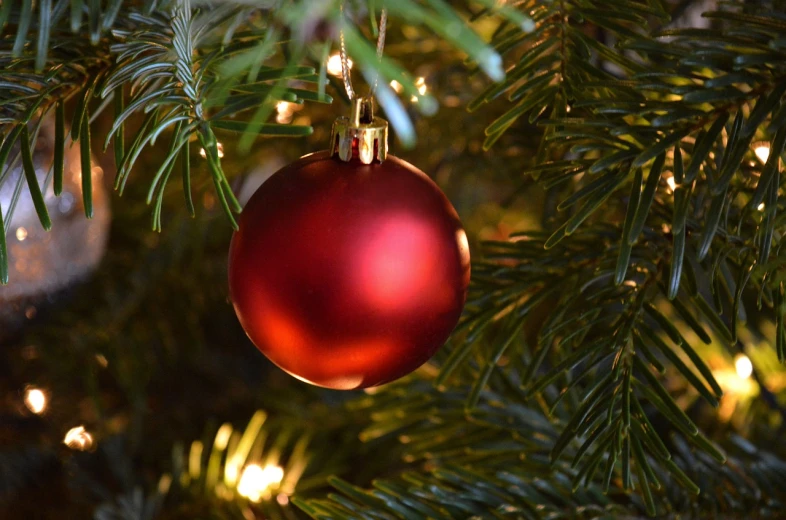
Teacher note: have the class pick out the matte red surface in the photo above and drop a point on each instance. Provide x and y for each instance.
(348, 275)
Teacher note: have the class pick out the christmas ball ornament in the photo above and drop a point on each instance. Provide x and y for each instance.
(42, 264)
(350, 267)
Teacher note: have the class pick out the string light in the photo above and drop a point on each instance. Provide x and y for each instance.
(743, 365)
(396, 86)
(334, 65)
(78, 439)
(21, 234)
(762, 151)
(35, 400)
(256, 482)
(671, 182)
(760, 207)
(219, 147)
(284, 111)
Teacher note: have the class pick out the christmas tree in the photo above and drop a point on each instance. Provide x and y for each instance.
(616, 166)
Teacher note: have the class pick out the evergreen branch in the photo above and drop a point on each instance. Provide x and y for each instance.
(171, 66)
(607, 329)
(464, 467)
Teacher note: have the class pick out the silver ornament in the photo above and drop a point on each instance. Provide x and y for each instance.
(42, 263)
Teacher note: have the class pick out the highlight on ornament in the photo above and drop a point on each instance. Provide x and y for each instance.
(35, 400)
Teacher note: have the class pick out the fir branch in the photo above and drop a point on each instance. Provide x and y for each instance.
(463, 467)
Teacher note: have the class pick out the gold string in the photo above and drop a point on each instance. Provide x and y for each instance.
(345, 70)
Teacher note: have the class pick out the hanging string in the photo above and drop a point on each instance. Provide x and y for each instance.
(383, 28)
(345, 70)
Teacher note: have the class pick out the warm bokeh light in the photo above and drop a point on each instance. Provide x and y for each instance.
(672, 183)
(284, 111)
(35, 400)
(743, 365)
(78, 439)
(420, 83)
(220, 148)
(762, 151)
(334, 65)
(102, 360)
(760, 207)
(256, 481)
(396, 86)
(21, 234)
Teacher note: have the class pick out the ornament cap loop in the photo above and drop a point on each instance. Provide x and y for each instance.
(360, 135)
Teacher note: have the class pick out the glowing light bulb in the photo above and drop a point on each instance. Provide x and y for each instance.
(671, 182)
(760, 207)
(743, 365)
(35, 400)
(396, 86)
(78, 439)
(256, 481)
(219, 148)
(21, 234)
(334, 65)
(284, 111)
(762, 151)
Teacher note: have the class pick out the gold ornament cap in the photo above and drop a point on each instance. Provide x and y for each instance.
(361, 134)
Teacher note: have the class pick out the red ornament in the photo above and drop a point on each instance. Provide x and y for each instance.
(349, 275)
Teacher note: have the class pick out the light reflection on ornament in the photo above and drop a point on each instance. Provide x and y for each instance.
(762, 151)
(743, 365)
(78, 438)
(256, 482)
(394, 270)
(219, 147)
(334, 65)
(35, 400)
(21, 234)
